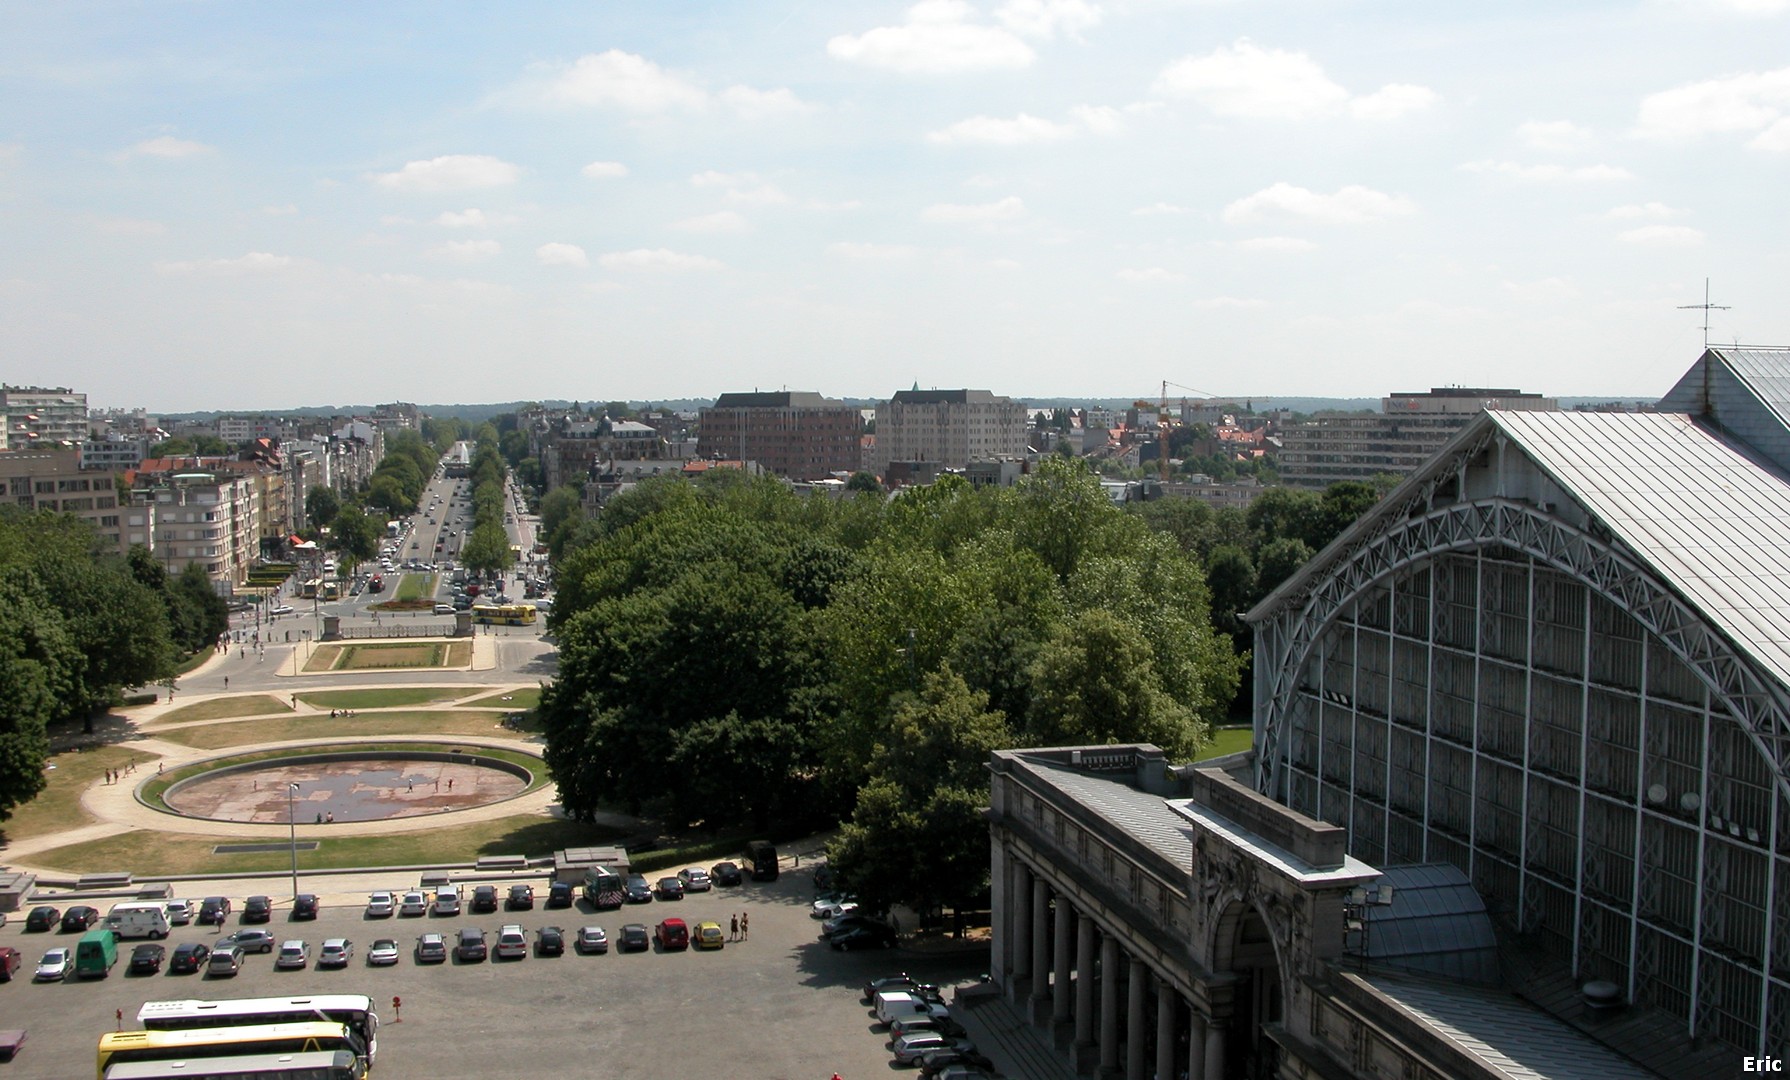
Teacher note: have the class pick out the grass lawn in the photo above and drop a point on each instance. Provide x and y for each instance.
(58, 805)
(180, 853)
(280, 729)
(385, 699)
(218, 708)
(514, 700)
(1227, 741)
(193, 662)
(416, 587)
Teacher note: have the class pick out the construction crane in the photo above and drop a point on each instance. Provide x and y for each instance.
(1162, 426)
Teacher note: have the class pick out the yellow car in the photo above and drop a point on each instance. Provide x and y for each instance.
(708, 935)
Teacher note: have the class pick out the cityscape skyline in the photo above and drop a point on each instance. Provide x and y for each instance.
(211, 207)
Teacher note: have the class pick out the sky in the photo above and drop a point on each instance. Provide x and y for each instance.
(248, 205)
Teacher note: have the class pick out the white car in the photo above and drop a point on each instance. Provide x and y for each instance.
(383, 953)
(293, 954)
(832, 909)
(381, 905)
(511, 942)
(337, 952)
(447, 900)
(283, 609)
(180, 912)
(54, 966)
(413, 904)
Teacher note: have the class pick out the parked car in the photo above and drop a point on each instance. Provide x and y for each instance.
(444, 609)
(910, 1048)
(10, 959)
(247, 940)
(903, 982)
(591, 939)
(431, 949)
(550, 941)
(257, 909)
(634, 938)
(293, 954)
(214, 910)
(189, 958)
(726, 874)
(695, 879)
(146, 959)
(224, 962)
(864, 936)
(559, 894)
(180, 912)
(469, 946)
(304, 906)
(933, 1063)
(673, 934)
(447, 900)
(282, 609)
(383, 952)
(381, 905)
(79, 919)
(520, 898)
(636, 891)
(512, 943)
(484, 898)
(831, 907)
(336, 952)
(414, 904)
(55, 966)
(670, 888)
(42, 919)
(708, 935)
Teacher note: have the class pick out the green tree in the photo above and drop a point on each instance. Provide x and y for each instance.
(321, 506)
(864, 482)
(562, 511)
(487, 549)
(1280, 559)
(39, 668)
(1095, 682)
(1232, 577)
(355, 536)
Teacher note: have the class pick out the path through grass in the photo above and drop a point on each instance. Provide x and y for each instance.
(388, 697)
(58, 806)
(218, 708)
(284, 728)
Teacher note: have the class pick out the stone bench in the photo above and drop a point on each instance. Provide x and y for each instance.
(502, 862)
(112, 880)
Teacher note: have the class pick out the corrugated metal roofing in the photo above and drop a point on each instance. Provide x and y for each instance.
(1137, 813)
(1437, 925)
(1710, 520)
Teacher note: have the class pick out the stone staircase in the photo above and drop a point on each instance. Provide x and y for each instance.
(1000, 1030)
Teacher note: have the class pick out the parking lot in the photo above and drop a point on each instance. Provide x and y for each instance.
(781, 1005)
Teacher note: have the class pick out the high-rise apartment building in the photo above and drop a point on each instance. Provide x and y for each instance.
(208, 518)
(54, 480)
(793, 433)
(38, 416)
(952, 427)
(1405, 433)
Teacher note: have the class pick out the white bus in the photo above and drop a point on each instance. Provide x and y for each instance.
(314, 1065)
(354, 1010)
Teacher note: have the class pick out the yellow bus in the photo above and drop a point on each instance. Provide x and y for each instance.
(119, 1047)
(504, 614)
(309, 589)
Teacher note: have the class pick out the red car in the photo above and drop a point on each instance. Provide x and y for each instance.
(673, 934)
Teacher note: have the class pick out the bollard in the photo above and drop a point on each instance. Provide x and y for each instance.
(397, 1004)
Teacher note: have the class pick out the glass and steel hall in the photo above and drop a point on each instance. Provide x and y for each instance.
(1558, 657)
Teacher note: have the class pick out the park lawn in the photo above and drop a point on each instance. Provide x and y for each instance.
(220, 708)
(416, 587)
(1227, 741)
(142, 850)
(521, 698)
(58, 806)
(388, 697)
(281, 729)
(422, 654)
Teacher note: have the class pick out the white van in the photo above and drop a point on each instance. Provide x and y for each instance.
(894, 1004)
(136, 920)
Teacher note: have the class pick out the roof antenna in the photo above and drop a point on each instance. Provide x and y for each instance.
(1705, 307)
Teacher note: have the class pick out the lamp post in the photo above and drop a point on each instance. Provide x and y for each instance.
(292, 827)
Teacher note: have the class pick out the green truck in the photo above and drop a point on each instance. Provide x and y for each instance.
(95, 954)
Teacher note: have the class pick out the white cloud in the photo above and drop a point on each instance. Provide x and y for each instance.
(452, 172)
(1550, 174)
(1247, 81)
(1215, 303)
(1350, 205)
(625, 81)
(562, 255)
(1752, 8)
(1641, 210)
(724, 221)
(1662, 236)
(657, 259)
(167, 146)
(282, 210)
(465, 250)
(762, 195)
(255, 262)
(1274, 244)
(1774, 139)
(1545, 290)
(847, 249)
(124, 226)
(994, 131)
(1554, 136)
(472, 218)
(762, 104)
(1160, 209)
(1005, 210)
(1151, 275)
(936, 39)
(1099, 119)
(1392, 101)
(1753, 101)
(1048, 18)
(603, 170)
(712, 178)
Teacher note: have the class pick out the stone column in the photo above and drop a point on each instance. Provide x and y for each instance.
(1109, 1005)
(1136, 993)
(1215, 1050)
(1084, 985)
(1196, 1045)
(1165, 1030)
(1040, 944)
(1019, 918)
(1059, 994)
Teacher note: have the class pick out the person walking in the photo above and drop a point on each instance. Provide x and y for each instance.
(733, 928)
(745, 926)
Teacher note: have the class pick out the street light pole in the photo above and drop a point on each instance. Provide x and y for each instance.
(292, 826)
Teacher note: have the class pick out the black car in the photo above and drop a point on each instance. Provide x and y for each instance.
(931, 1064)
(839, 924)
(671, 888)
(550, 941)
(189, 959)
(870, 936)
(146, 959)
(634, 938)
(726, 874)
(257, 909)
(78, 919)
(521, 898)
(636, 890)
(559, 894)
(304, 906)
(215, 910)
(484, 898)
(469, 946)
(42, 918)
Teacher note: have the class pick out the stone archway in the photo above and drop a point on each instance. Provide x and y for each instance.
(1247, 953)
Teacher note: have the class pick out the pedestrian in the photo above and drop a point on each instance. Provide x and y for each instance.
(158, 768)
(330, 817)
(745, 926)
(733, 928)
(450, 783)
(226, 682)
(410, 785)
